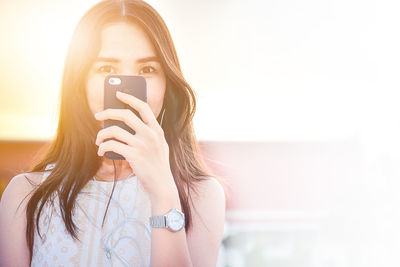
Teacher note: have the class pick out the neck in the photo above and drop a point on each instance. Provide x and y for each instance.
(106, 170)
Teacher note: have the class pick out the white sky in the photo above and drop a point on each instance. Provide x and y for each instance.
(262, 70)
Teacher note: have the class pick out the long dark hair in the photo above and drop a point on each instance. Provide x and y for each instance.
(73, 151)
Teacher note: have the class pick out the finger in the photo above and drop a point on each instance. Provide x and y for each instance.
(126, 151)
(124, 115)
(116, 132)
(142, 107)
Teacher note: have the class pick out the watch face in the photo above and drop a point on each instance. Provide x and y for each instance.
(175, 220)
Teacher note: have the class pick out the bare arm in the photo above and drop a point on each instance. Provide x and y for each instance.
(204, 239)
(14, 250)
(168, 248)
(199, 247)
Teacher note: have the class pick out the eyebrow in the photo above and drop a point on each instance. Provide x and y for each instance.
(116, 60)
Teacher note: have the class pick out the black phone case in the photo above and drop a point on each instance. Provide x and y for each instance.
(133, 85)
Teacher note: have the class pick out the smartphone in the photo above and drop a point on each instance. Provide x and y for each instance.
(133, 85)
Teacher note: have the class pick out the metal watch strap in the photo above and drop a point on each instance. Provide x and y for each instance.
(158, 221)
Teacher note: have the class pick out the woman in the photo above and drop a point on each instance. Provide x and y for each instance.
(78, 208)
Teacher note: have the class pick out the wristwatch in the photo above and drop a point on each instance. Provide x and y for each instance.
(174, 220)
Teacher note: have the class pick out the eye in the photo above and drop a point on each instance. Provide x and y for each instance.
(106, 68)
(147, 69)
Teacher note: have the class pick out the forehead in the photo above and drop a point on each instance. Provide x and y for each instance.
(125, 40)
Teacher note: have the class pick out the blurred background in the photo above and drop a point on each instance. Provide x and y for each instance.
(297, 109)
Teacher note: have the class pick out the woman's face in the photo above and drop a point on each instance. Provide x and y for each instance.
(126, 49)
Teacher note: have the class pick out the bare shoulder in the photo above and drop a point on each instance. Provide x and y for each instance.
(210, 187)
(25, 179)
(14, 250)
(209, 199)
(20, 185)
(22, 178)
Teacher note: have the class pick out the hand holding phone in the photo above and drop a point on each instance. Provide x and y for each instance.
(129, 84)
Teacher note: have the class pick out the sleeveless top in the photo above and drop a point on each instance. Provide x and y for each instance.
(123, 241)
